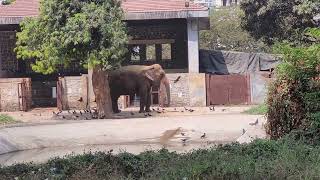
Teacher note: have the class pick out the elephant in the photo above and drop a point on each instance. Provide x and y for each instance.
(137, 80)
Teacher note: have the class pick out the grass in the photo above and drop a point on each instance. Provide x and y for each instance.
(257, 110)
(262, 159)
(5, 119)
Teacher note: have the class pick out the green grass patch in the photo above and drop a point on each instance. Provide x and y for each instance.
(257, 110)
(5, 119)
(262, 159)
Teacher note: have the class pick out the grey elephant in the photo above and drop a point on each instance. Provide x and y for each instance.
(139, 80)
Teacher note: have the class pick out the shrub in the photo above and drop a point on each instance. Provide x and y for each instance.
(262, 159)
(293, 99)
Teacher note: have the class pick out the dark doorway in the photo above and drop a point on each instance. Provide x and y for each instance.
(44, 94)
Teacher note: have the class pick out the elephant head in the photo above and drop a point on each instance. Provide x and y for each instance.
(156, 74)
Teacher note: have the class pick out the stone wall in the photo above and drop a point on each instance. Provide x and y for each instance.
(74, 92)
(189, 90)
(259, 87)
(10, 90)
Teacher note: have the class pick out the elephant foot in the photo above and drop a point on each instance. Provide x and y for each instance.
(148, 110)
(142, 111)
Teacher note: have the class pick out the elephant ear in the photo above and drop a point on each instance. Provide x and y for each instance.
(149, 73)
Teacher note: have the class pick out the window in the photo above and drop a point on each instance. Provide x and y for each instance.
(166, 52)
(135, 53)
(151, 52)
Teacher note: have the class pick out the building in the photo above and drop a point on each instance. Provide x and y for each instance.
(164, 32)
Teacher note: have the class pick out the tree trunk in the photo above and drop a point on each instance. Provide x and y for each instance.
(101, 91)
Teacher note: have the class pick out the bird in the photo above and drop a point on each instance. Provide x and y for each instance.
(80, 99)
(178, 78)
(184, 140)
(183, 134)
(159, 112)
(69, 112)
(212, 108)
(74, 112)
(185, 109)
(145, 115)
(54, 113)
(63, 117)
(153, 109)
(149, 114)
(223, 110)
(80, 112)
(131, 113)
(243, 131)
(203, 136)
(255, 123)
(191, 110)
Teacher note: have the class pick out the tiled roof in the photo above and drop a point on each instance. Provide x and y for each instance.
(20, 8)
(24, 8)
(140, 6)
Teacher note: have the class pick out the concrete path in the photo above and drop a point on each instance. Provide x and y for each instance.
(40, 142)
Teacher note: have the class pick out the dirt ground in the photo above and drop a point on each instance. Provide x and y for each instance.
(40, 137)
(47, 115)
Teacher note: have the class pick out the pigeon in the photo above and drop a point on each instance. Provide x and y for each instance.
(54, 113)
(184, 140)
(203, 136)
(223, 110)
(63, 117)
(255, 123)
(183, 134)
(80, 113)
(153, 109)
(74, 112)
(159, 112)
(185, 109)
(131, 113)
(145, 115)
(80, 99)
(149, 114)
(191, 110)
(69, 112)
(243, 131)
(212, 108)
(178, 78)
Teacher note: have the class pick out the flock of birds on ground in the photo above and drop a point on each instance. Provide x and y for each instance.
(88, 114)
(93, 114)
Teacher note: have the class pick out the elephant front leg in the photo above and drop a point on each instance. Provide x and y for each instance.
(143, 99)
(148, 104)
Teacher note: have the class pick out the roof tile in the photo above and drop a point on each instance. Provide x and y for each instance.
(25, 8)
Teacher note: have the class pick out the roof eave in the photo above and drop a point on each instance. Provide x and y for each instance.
(166, 15)
(10, 20)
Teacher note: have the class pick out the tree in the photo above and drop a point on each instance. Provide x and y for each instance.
(277, 20)
(91, 32)
(225, 33)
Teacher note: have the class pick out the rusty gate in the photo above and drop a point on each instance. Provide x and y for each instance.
(227, 89)
(24, 94)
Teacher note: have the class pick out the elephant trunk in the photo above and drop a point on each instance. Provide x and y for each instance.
(167, 85)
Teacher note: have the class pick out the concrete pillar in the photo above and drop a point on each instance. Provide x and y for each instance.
(193, 46)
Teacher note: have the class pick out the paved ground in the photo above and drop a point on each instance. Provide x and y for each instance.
(38, 142)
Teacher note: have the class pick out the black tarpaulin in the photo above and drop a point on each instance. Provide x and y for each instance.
(228, 62)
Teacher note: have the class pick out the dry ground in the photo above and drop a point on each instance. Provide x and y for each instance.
(44, 136)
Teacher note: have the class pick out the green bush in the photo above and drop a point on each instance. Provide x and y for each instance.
(262, 159)
(293, 98)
